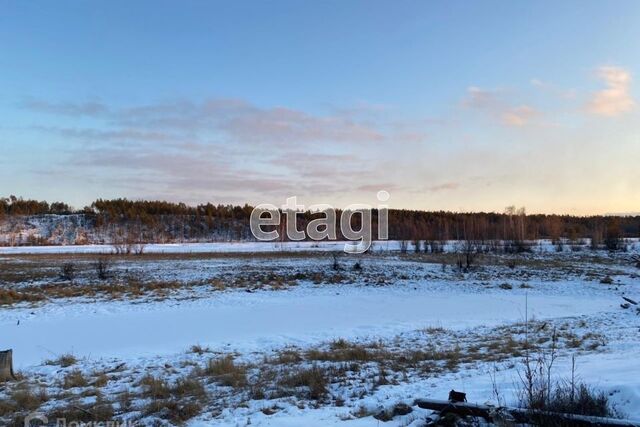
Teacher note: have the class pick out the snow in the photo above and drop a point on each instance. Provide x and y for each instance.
(252, 321)
(258, 247)
(148, 333)
(215, 247)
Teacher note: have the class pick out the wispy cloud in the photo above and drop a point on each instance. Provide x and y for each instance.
(443, 187)
(519, 116)
(229, 149)
(616, 98)
(90, 108)
(232, 118)
(217, 148)
(495, 104)
(555, 90)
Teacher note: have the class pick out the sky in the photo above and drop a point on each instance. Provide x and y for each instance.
(446, 105)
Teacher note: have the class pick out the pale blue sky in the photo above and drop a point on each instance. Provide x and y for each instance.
(447, 105)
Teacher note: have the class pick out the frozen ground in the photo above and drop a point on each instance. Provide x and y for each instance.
(248, 322)
(218, 247)
(239, 247)
(382, 328)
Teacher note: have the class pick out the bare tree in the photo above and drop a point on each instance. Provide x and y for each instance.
(102, 267)
(68, 272)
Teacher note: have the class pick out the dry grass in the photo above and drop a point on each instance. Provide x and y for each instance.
(32, 278)
(226, 372)
(131, 289)
(154, 387)
(73, 379)
(173, 410)
(189, 387)
(199, 350)
(64, 360)
(124, 401)
(177, 403)
(76, 411)
(10, 296)
(289, 356)
(23, 398)
(313, 380)
(26, 398)
(308, 377)
(344, 351)
(100, 379)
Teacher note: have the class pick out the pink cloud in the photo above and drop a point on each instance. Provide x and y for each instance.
(616, 98)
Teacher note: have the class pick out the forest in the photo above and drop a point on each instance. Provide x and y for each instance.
(161, 221)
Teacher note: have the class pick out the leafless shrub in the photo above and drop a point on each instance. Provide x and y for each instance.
(539, 389)
(606, 280)
(124, 400)
(579, 399)
(136, 248)
(468, 250)
(517, 247)
(434, 246)
(119, 248)
(614, 241)
(336, 264)
(68, 272)
(102, 267)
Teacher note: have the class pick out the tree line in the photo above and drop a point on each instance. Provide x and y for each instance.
(161, 221)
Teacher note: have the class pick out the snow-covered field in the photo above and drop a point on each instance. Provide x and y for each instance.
(217, 247)
(251, 247)
(313, 341)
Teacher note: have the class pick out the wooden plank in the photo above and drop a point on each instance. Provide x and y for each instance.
(520, 415)
(540, 417)
(6, 365)
(455, 407)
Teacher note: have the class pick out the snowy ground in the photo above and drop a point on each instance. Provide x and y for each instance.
(311, 345)
(252, 247)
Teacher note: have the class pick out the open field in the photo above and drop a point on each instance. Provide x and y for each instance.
(296, 336)
(319, 213)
